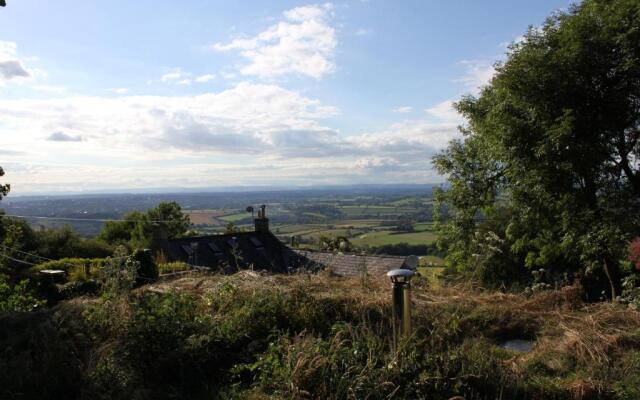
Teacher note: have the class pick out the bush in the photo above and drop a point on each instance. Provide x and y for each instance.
(147, 271)
(66, 243)
(406, 249)
(77, 269)
(17, 297)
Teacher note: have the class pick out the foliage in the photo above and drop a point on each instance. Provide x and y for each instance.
(18, 297)
(65, 242)
(4, 188)
(551, 149)
(405, 249)
(139, 230)
(20, 242)
(148, 270)
(405, 225)
(119, 275)
(166, 268)
(318, 338)
(77, 269)
(334, 243)
(631, 290)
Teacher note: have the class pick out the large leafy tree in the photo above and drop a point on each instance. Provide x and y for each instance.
(551, 151)
(138, 229)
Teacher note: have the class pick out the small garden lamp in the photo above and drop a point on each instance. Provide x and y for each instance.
(400, 279)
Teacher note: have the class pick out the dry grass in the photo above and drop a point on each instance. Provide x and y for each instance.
(578, 347)
(562, 322)
(258, 336)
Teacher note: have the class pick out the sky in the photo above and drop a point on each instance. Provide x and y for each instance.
(110, 96)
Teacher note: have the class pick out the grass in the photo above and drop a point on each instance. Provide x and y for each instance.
(171, 267)
(432, 274)
(319, 337)
(433, 260)
(364, 210)
(380, 238)
(235, 217)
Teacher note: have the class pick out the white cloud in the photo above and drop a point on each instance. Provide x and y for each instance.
(248, 134)
(402, 109)
(174, 76)
(119, 90)
(11, 67)
(178, 77)
(248, 115)
(477, 73)
(444, 111)
(304, 13)
(205, 78)
(304, 43)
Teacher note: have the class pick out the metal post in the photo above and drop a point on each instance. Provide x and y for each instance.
(401, 293)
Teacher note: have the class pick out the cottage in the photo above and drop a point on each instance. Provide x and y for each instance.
(262, 250)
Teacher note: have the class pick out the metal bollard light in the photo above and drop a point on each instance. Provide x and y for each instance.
(401, 302)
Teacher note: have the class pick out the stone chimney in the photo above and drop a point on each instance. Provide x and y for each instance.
(262, 222)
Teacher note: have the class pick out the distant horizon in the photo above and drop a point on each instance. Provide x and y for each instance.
(225, 189)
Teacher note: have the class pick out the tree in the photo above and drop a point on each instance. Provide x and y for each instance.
(4, 188)
(137, 230)
(334, 243)
(16, 238)
(57, 243)
(121, 232)
(552, 146)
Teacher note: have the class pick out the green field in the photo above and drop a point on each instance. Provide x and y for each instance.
(380, 238)
(364, 210)
(235, 217)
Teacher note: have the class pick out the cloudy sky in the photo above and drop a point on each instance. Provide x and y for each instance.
(99, 95)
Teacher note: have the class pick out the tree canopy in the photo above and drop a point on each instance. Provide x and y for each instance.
(4, 188)
(550, 156)
(138, 229)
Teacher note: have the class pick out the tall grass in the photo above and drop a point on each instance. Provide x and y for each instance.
(318, 337)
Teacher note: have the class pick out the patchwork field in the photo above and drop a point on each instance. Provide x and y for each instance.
(366, 221)
(206, 217)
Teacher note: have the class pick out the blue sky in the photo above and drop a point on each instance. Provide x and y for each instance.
(99, 95)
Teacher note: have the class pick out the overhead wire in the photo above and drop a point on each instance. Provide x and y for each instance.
(84, 219)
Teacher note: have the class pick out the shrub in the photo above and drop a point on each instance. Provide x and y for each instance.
(147, 271)
(77, 269)
(17, 297)
(66, 243)
(167, 268)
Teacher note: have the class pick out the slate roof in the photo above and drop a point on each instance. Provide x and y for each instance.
(231, 252)
(343, 264)
(260, 250)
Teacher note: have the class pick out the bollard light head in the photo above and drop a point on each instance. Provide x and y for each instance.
(400, 275)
